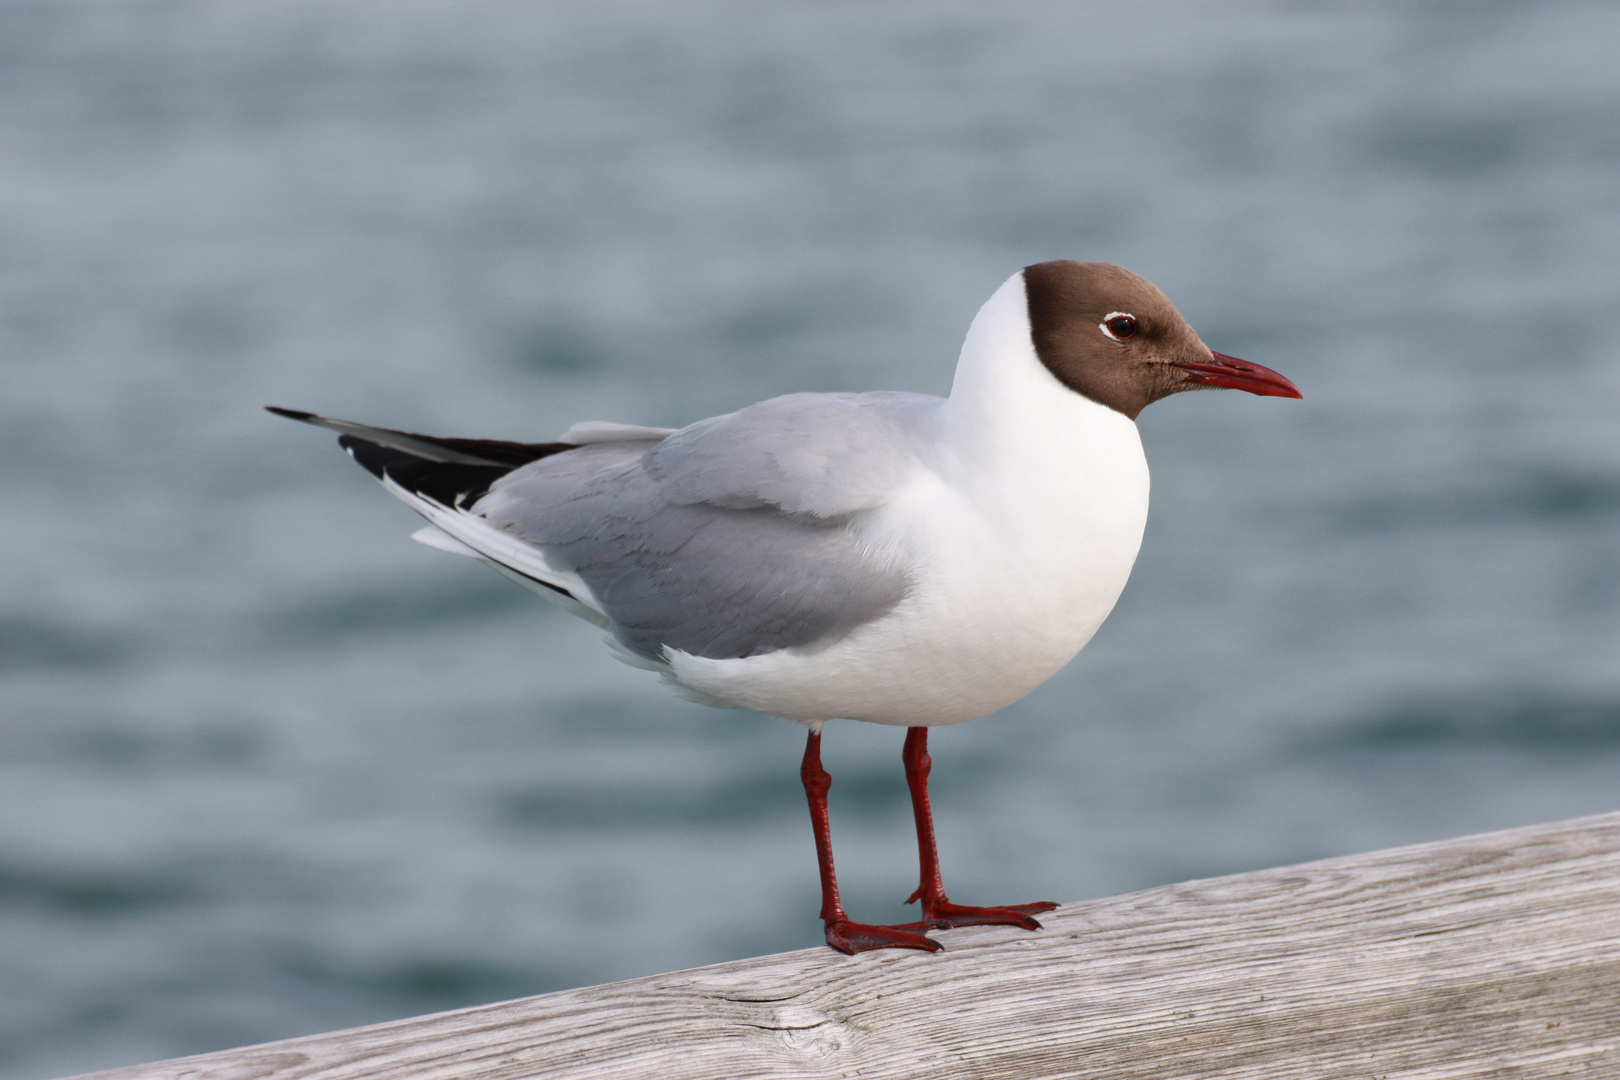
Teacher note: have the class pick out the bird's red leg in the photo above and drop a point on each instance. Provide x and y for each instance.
(938, 912)
(846, 936)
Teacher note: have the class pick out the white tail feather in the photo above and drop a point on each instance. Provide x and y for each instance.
(435, 537)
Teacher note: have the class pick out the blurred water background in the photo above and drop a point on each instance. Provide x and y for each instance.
(270, 768)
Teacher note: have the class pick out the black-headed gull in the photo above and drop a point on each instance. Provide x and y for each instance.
(889, 557)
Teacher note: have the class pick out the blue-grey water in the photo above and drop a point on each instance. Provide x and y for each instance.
(270, 768)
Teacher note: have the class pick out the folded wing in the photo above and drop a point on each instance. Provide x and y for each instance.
(734, 537)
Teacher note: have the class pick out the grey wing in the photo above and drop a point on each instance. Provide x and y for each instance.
(711, 581)
(823, 455)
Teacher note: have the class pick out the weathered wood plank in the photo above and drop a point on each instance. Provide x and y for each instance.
(1489, 956)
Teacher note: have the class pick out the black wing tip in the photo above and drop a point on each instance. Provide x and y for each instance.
(373, 458)
(291, 414)
(450, 485)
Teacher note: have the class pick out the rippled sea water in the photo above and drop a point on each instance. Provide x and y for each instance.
(270, 768)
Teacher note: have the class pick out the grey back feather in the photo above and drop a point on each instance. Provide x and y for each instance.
(732, 537)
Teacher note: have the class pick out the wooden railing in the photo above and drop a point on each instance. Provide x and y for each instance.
(1489, 956)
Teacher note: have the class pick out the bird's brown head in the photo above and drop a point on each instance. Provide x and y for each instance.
(1115, 338)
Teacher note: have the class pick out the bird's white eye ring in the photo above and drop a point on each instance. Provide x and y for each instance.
(1118, 325)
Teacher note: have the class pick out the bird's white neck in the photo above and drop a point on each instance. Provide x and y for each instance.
(1008, 412)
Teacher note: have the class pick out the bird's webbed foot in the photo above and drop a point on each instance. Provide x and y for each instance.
(854, 937)
(941, 914)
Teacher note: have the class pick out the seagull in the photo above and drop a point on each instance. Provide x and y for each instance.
(890, 557)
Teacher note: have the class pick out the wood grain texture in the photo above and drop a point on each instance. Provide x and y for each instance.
(1489, 956)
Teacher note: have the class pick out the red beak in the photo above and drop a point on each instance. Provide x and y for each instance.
(1234, 374)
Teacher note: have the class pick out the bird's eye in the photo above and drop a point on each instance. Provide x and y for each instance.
(1118, 326)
